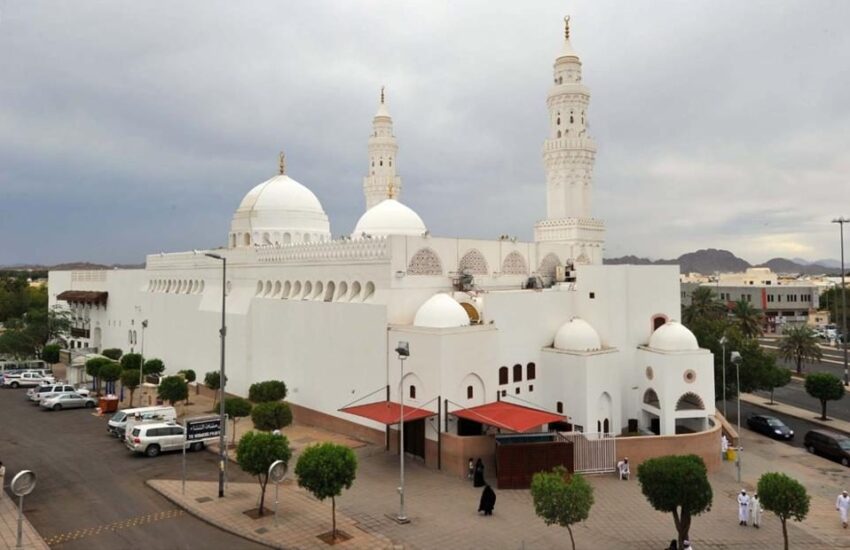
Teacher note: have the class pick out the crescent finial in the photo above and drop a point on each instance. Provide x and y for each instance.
(566, 27)
(382, 94)
(281, 163)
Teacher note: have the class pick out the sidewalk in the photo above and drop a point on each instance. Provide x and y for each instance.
(9, 526)
(796, 412)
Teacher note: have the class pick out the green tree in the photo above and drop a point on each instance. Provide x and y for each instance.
(824, 387)
(109, 372)
(190, 377)
(749, 319)
(704, 306)
(677, 484)
(131, 361)
(172, 389)
(776, 377)
(831, 300)
(93, 367)
(256, 452)
(50, 353)
(236, 408)
(130, 380)
(785, 497)
(273, 415)
(114, 354)
(800, 345)
(325, 470)
(212, 380)
(561, 499)
(153, 367)
(270, 390)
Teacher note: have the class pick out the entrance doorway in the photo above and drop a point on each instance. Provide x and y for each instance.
(414, 438)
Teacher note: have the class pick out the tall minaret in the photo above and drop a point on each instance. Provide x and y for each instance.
(382, 181)
(568, 157)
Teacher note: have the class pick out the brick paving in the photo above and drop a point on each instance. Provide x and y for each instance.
(9, 525)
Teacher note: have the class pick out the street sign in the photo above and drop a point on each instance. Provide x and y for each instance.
(203, 428)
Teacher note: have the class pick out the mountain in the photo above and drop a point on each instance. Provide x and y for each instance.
(68, 266)
(711, 260)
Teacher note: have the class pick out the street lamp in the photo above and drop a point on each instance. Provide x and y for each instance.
(142, 360)
(736, 359)
(841, 221)
(403, 351)
(222, 379)
(723, 342)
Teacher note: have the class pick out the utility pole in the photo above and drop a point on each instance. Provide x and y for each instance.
(844, 336)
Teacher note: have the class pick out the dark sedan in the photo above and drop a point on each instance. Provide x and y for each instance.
(769, 426)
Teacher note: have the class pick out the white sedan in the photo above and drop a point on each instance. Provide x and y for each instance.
(68, 401)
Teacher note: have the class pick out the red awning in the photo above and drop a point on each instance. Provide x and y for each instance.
(509, 416)
(387, 412)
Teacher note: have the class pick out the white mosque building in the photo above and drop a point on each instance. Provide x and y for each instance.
(504, 335)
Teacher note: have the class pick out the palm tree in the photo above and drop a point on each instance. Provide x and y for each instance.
(800, 345)
(748, 318)
(704, 305)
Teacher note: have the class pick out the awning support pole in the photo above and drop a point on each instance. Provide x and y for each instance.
(439, 434)
(387, 428)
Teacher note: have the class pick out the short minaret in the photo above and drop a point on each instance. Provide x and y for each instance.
(382, 181)
(568, 157)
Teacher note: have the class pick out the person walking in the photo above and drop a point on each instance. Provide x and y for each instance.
(471, 470)
(755, 510)
(623, 469)
(478, 476)
(743, 504)
(488, 501)
(673, 545)
(724, 446)
(842, 504)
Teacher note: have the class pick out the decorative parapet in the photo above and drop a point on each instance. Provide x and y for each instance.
(88, 276)
(369, 250)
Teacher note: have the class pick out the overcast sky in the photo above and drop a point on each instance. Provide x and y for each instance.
(131, 127)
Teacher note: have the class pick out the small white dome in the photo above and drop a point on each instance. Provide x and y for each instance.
(673, 336)
(278, 206)
(441, 311)
(389, 217)
(577, 335)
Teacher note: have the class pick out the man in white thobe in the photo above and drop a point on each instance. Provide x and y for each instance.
(842, 504)
(623, 468)
(755, 510)
(743, 504)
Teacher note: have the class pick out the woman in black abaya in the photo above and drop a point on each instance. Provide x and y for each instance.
(488, 501)
(478, 477)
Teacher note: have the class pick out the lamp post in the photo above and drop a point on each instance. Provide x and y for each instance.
(841, 221)
(142, 359)
(222, 379)
(736, 359)
(403, 351)
(723, 342)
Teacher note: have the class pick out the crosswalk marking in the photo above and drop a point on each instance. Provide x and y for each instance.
(70, 536)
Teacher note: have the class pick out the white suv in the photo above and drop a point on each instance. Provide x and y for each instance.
(50, 390)
(156, 437)
(28, 379)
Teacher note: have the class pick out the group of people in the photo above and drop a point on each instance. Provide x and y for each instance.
(488, 495)
(749, 509)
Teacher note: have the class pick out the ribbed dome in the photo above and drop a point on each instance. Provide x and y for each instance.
(673, 336)
(389, 217)
(279, 210)
(441, 311)
(577, 335)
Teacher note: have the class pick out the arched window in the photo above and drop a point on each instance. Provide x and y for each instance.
(530, 371)
(598, 427)
(657, 321)
(571, 119)
(514, 264)
(606, 426)
(559, 134)
(548, 265)
(469, 392)
(690, 402)
(559, 406)
(517, 373)
(412, 391)
(425, 262)
(503, 376)
(247, 239)
(651, 398)
(559, 121)
(473, 262)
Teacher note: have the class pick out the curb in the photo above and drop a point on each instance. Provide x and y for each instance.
(223, 527)
(757, 402)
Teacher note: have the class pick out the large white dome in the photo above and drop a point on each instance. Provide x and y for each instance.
(389, 217)
(673, 336)
(279, 211)
(577, 335)
(441, 311)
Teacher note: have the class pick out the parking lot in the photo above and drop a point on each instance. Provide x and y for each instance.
(91, 490)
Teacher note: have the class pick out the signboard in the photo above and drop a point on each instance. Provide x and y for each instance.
(198, 429)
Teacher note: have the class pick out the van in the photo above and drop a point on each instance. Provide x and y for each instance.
(834, 446)
(117, 425)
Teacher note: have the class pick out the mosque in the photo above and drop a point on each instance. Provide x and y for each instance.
(503, 336)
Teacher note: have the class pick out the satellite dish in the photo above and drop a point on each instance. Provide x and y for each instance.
(23, 483)
(278, 471)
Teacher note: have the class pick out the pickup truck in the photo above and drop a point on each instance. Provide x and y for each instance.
(27, 379)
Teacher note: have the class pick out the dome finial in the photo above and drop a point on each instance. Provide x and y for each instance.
(382, 94)
(566, 27)
(281, 163)
(390, 190)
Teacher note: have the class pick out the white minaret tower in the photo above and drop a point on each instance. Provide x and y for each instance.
(382, 181)
(568, 157)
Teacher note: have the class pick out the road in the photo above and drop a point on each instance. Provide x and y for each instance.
(832, 362)
(91, 491)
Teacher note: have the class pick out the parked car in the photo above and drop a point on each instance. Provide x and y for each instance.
(769, 426)
(68, 401)
(52, 390)
(831, 445)
(156, 437)
(27, 379)
(117, 425)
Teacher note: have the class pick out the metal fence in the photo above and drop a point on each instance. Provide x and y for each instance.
(593, 453)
